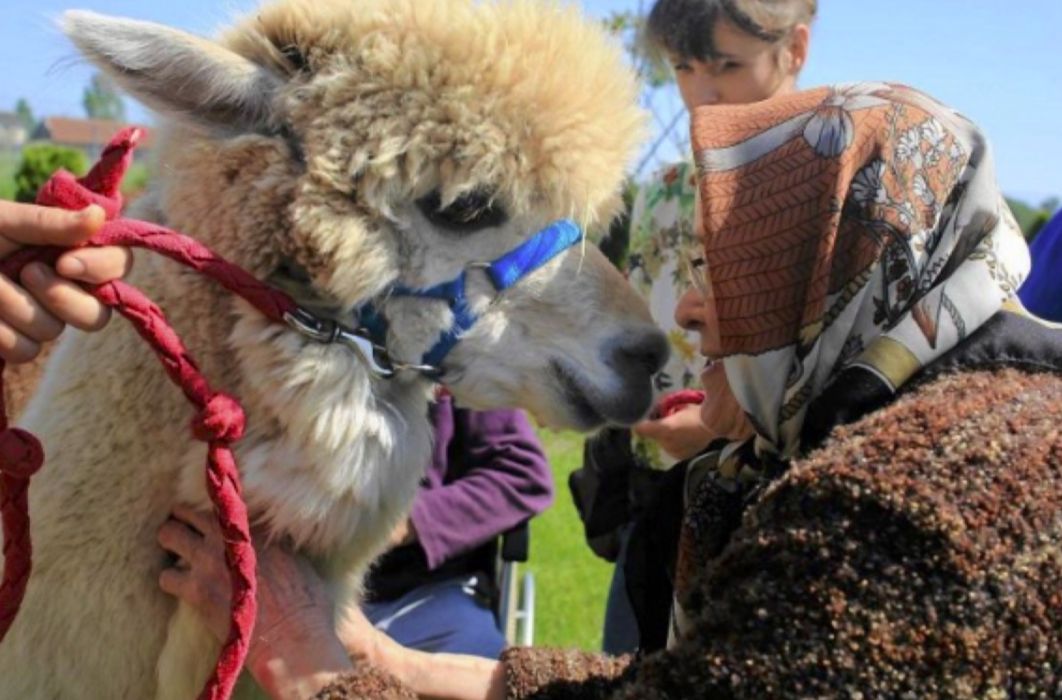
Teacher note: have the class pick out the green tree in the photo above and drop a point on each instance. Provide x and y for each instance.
(39, 161)
(101, 99)
(25, 115)
(1038, 222)
(1031, 219)
(657, 80)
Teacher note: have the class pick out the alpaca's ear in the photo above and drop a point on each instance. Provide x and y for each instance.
(176, 73)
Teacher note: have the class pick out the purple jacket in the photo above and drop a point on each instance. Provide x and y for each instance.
(488, 473)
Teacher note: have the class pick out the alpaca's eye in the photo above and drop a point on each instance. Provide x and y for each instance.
(470, 212)
(295, 57)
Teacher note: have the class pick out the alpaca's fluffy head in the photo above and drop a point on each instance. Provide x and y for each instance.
(342, 146)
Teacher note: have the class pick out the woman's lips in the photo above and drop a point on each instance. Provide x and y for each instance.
(710, 364)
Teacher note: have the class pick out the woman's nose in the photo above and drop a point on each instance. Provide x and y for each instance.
(705, 93)
(689, 312)
(697, 314)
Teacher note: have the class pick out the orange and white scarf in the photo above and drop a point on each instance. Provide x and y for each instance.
(858, 225)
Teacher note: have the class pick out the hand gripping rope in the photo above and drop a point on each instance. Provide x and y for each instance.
(219, 423)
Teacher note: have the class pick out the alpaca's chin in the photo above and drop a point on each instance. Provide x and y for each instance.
(587, 406)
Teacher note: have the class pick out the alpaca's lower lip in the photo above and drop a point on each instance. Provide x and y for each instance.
(585, 413)
(592, 407)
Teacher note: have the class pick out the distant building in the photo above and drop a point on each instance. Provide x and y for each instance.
(12, 133)
(88, 135)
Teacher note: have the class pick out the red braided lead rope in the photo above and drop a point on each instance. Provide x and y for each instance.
(220, 421)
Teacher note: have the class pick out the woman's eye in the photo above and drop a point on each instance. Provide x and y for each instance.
(470, 212)
(681, 67)
(728, 67)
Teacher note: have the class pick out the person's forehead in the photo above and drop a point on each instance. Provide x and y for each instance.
(729, 41)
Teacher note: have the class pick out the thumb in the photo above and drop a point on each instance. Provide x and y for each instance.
(30, 224)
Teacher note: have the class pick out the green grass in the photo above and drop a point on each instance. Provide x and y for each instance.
(571, 584)
(8, 166)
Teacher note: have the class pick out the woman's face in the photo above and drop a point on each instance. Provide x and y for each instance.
(721, 413)
(745, 70)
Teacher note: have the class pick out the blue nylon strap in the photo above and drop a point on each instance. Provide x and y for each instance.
(503, 272)
(453, 293)
(534, 253)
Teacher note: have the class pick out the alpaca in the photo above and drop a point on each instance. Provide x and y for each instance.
(335, 148)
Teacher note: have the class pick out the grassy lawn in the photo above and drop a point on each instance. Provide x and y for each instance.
(571, 584)
(8, 166)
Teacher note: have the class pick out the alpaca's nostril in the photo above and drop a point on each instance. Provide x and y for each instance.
(645, 351)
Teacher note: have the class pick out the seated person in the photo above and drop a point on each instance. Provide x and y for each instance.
(432, 591)
(622, 471)
(1042, 291)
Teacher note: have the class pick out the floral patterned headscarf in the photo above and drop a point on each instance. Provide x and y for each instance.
(856, 225)
(859, 226)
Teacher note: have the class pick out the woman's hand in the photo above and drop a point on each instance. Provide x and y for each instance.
(681, 435)
(294, 649)
(35, 309)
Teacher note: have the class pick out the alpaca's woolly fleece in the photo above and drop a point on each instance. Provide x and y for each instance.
(390, 100)
(523, 95)
(297, 149)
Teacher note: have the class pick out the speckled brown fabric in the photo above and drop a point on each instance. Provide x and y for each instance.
(367, 683)
(918, 554)
(554, 674)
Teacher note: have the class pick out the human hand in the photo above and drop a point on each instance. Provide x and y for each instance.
(681, 434)
(404, 533)
(294, 649)
(35, 309)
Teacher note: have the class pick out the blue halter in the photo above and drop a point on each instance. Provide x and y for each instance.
(504, 272)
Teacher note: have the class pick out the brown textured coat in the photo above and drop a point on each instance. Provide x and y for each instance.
(916, 555)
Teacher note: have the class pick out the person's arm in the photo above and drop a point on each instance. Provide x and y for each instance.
(504, 480)
(439, 676)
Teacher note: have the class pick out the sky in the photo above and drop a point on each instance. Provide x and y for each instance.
(996, 61)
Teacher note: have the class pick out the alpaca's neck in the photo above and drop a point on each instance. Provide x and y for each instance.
(331, 457)
(335, 460)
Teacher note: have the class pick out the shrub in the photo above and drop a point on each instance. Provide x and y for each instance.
(39, 161)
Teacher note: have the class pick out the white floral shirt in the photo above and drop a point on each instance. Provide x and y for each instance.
(661, 233)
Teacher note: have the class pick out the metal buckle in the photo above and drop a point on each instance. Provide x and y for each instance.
(327, 332)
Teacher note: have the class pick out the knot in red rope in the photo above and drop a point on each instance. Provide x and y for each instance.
(221, 420)
(100, 185)
(21, 454)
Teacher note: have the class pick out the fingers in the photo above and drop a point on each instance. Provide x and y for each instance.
(647, 428)
(95, 265)
(176, 582)
(206, 596)
(37, 313)
(61, 300)
(24, 323)
(203, 580)
(203, 521)
(177, 538)
(15, 347)
(29, 224)
(656, 427)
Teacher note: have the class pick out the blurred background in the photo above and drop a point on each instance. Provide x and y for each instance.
(995, 61)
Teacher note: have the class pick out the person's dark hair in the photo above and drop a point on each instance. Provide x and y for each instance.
(684, 27)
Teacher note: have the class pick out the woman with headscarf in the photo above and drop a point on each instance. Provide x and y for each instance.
(880, 514)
